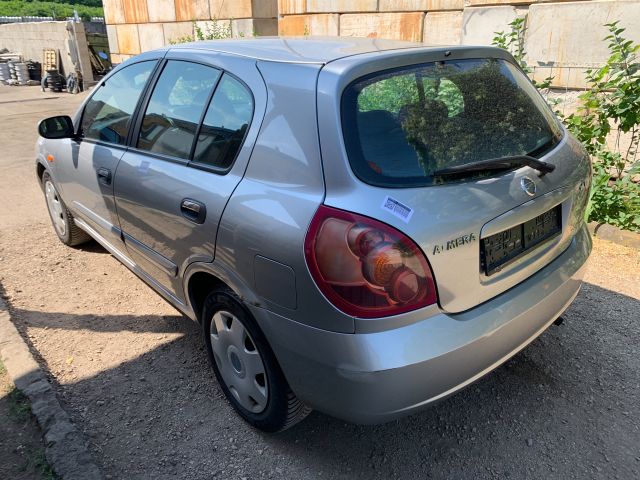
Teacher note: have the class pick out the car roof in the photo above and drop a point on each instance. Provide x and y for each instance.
(303, 49)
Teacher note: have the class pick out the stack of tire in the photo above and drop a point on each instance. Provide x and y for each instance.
(35, 70)
(54, 81)
(19, 72)
(5, 73)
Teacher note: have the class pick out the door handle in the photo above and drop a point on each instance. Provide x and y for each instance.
(104, 176)
(193, 210)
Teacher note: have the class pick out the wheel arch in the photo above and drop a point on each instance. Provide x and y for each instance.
(203, 278)
(40, 169)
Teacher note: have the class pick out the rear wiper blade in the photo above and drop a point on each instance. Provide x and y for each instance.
(497, 164)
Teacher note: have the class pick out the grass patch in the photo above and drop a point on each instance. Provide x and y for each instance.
(19, 406)
(17, 409)
(37, 462)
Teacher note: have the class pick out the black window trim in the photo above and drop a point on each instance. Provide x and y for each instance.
(207, 104)
(211, 168)
(125, 145)
(141, 108)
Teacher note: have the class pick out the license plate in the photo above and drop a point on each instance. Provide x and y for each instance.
(502, 248)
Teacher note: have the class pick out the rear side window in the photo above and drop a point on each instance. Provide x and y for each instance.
(107, 114)
(176, 105)
(225, 124)
(402, 125)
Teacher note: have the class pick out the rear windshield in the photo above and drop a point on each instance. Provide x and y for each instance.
(402, 125)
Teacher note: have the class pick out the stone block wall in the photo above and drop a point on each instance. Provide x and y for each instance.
(562, 39)
(135, 26)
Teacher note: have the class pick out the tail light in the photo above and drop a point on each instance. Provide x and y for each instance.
(366, 268)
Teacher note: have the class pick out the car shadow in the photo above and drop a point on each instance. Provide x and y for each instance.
(91, 247)
(566, 406)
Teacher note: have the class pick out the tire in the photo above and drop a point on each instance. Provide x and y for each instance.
(246, 367)
(61, 218)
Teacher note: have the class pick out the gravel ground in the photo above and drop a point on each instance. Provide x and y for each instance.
(134, 376)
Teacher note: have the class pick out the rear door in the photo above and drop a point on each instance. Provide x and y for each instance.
(86, 176)
(187, 157)
(389, 126)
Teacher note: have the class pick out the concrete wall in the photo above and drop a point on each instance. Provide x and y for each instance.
(134, 26)
(562, 39)
(30, 39)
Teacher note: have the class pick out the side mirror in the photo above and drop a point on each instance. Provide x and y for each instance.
(57, 127)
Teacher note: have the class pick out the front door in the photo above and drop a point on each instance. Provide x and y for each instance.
(172, 186)
(86, 176)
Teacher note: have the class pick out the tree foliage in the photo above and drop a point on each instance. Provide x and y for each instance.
(486, 113)
(57, 8)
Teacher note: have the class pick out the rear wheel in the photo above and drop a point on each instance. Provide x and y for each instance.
(245, 366)
(61, 218)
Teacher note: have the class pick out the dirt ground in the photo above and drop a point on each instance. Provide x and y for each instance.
(134, 377)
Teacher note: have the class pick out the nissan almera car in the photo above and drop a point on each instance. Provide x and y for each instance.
(360, 226)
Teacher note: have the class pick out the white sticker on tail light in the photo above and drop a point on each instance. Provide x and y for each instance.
(398, 209)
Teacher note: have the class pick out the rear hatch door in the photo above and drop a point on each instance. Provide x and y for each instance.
(391, 129)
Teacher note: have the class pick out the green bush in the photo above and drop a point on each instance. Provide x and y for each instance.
(611, 103)
(213, 30)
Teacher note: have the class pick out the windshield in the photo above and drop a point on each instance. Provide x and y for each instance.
(402, 125)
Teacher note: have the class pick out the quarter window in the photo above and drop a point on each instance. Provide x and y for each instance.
(225, 124)
(107, 114)
(175, 108)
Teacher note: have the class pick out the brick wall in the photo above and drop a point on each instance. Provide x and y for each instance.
(562, 40)
(135, 26)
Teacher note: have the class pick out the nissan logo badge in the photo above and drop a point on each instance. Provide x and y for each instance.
(528, 186)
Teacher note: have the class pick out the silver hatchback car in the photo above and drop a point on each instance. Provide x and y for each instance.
(360, 226)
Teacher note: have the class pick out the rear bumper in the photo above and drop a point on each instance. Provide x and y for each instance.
(375, 377)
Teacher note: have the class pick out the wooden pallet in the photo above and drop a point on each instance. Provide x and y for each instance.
(50, 60)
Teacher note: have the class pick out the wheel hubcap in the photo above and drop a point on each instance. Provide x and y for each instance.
(239, 361)
(55, 208)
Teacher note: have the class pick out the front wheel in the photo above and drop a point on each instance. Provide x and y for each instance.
(245, 366)
(61, 218)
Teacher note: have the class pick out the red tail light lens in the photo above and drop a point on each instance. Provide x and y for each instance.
(366, 268)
